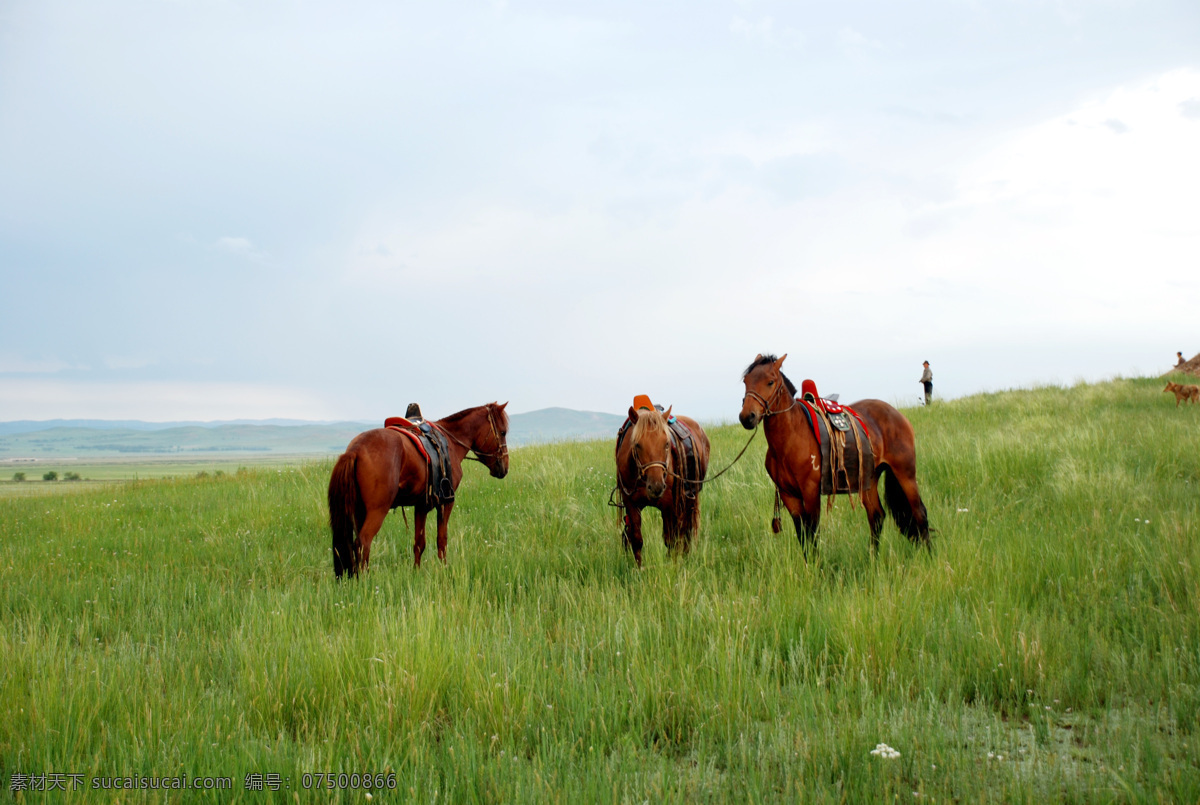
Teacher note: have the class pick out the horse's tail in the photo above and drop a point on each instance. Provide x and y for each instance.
(912, 524)
(344, 501)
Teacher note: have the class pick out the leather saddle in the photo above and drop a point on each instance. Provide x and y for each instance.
(838, 414)
(847, 461)
(432, 444)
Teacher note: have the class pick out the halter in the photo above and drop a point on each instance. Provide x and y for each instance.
(765, 403)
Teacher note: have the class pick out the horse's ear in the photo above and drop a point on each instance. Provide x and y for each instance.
(633, 414)
(779, 362)
(757, 358)
(667, 415)
(503, 405)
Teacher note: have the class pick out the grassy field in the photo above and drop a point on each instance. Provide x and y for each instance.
(103, 473)
(1047, 649)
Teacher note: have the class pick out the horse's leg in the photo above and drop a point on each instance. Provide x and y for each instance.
(917, 526)
(806, 516)
(370, 527)
(419, 513)
(671, 528)
(443, 519)
(875, 511)
(689, 523)
(633, 531)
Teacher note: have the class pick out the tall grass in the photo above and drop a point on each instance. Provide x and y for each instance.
(1048, 647)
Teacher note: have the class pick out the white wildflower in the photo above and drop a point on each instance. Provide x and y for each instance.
(884, 751)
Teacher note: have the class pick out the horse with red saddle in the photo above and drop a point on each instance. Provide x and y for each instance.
(817, 447)
(408, 463)
(661, 462)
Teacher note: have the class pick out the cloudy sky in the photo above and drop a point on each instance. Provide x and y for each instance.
(213, 209)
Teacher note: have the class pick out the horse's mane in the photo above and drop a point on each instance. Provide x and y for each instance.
(464, 413)
(648, 421)
(765, 359)
(459, 415)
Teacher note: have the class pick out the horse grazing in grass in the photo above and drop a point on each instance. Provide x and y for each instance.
(793, 456)
(661, 462)
(384, 468)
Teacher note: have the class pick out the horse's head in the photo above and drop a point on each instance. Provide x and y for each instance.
(768, 391)
(491, 443)
(650, 442)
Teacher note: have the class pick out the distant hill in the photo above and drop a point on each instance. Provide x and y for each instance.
(561, 424)
(109, 438)
(30, 425)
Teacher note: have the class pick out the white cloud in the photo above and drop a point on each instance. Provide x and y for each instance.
(11, 362)
(156, 401)
(765, 32)
(1065, 228)
(128, 361)
(854, 43)
(241, 247)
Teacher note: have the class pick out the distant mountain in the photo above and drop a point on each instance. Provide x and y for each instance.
(561, 424)
(188, 440)
(109, 438)
(30, 425)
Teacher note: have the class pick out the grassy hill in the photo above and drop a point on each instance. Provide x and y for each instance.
(1048, 648)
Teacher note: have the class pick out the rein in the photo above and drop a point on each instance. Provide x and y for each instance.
(502, 451)
(641, 473)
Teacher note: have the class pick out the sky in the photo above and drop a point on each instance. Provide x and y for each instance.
(213, 209)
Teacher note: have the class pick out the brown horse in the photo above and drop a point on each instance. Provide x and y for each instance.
(382, 469)
(653, 470)
(771, 399)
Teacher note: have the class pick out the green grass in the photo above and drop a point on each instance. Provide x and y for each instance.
(1048, 648)
(105, 472)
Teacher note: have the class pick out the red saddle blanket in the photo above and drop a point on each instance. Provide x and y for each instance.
(409, 432)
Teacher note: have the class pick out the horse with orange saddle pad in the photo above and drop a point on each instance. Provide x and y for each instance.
(389, 467)
(805, 459)
(661, 462)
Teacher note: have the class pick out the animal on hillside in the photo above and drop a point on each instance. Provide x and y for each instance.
(794, 456)
(1181, 392)
(386, 468)
(661, 462)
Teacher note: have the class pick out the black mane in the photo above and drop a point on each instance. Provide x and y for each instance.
(762, 360)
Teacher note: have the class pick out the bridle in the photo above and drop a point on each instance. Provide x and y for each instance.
(641, 468)
(687, 481)
(766, 403)
(502, 450)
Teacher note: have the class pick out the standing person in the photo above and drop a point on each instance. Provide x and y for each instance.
(927, 381)
(1180, 361)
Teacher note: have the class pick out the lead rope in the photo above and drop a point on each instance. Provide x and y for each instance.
(621, 487)
(727, 469)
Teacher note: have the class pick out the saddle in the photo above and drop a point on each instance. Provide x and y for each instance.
(846, 460)
(433, 446)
